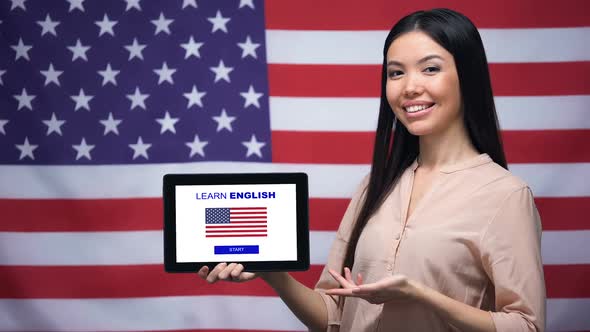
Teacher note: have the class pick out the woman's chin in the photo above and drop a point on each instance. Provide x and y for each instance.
(419, 130)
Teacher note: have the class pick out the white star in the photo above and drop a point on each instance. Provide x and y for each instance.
(197, 147)
(2, 124)
(83, 149)
(135, 49)
(111, 124)
(54, 125)
(82, 100)
(219, 22)
(186, 3)
(165, 74)
(140, 148)
(51, 75)
(167, 123)
(251, 97)
(194, 97)
(48, 26)
(22, 50)
(248, 48)
(253, 147)
(106, 26)
(26, 149)
(224, 121)
(2, 72)
(18, 3)
(192, 48)
(76, 4)
(79, 51)
(133, 4)
(221, 72)
(24, 100)
(108, 75)
(137, 99)
(162, 24)
(249, 3)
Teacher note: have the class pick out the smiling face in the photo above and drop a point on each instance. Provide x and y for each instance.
(422, 85)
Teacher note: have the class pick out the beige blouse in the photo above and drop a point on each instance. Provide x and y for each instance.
(475, 237)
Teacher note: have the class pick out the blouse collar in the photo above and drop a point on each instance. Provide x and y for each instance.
(478, 160)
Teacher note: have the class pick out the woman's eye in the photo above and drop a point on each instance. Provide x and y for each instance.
(395, 73)
(432, 69)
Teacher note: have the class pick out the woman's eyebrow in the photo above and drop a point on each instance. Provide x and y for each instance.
(424, 59)
(430, 57)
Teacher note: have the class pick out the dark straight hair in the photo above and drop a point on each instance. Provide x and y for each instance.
(395, 150)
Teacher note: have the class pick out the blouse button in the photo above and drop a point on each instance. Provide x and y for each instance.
(397, 237)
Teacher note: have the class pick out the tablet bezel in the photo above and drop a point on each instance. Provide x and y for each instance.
(170, 181)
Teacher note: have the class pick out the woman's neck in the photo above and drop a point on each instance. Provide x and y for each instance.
(446, 148)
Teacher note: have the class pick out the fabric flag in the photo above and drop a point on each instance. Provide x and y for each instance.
(235, 222)
(100, 99)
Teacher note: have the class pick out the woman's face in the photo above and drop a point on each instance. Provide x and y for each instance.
(422, 85)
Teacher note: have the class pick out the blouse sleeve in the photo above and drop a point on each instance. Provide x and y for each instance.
(336, 258)
(511, 256)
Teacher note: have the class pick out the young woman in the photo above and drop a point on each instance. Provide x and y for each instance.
(439, 236)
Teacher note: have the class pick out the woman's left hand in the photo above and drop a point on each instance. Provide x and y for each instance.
(393, 288)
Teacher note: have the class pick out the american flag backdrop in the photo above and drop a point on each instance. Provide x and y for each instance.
(99, 99)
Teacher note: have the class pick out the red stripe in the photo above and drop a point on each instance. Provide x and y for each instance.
(249, 221)
(249, 217)
(508, 79)
(238, 235)
(547, 146)
(563, 281)
(567, 281)
(226, 227)
(535, 146)
(249, 208)
(249, 213)
(60, 215)
(245, 231)
(319, 147)
(564, 213)
(382, 14)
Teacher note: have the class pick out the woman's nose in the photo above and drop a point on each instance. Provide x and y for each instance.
(413, 86)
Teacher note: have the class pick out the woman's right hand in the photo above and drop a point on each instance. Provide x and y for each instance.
(228, 272)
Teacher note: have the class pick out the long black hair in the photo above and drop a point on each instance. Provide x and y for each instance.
(395, 150)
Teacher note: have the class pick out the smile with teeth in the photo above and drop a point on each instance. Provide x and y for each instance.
(416, 108)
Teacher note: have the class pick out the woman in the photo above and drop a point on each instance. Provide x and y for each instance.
(440, 236)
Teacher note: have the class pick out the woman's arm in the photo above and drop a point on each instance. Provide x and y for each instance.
(460, 315)
(304, 302)
(400, 288)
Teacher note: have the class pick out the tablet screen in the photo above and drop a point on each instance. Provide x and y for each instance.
(236, 223)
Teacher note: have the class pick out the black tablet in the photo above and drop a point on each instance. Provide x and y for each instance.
(259, 220)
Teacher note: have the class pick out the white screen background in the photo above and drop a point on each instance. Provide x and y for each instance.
(279, 245)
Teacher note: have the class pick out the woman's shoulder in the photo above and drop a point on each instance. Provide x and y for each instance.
(501, 180)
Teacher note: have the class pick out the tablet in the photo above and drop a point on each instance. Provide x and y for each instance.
(259, 220)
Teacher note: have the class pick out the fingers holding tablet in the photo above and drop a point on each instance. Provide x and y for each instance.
(228, 272)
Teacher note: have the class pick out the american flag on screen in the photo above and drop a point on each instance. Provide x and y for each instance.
(99, 99)
(235, 222)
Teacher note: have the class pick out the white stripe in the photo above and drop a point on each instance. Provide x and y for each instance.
(366, 47)
(360, 114)
(568, 314)
(145, 247)
(554, 251)
(200, 312)
(325, 180)
(146, 314)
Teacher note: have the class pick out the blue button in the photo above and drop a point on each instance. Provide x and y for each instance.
(233, 250)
